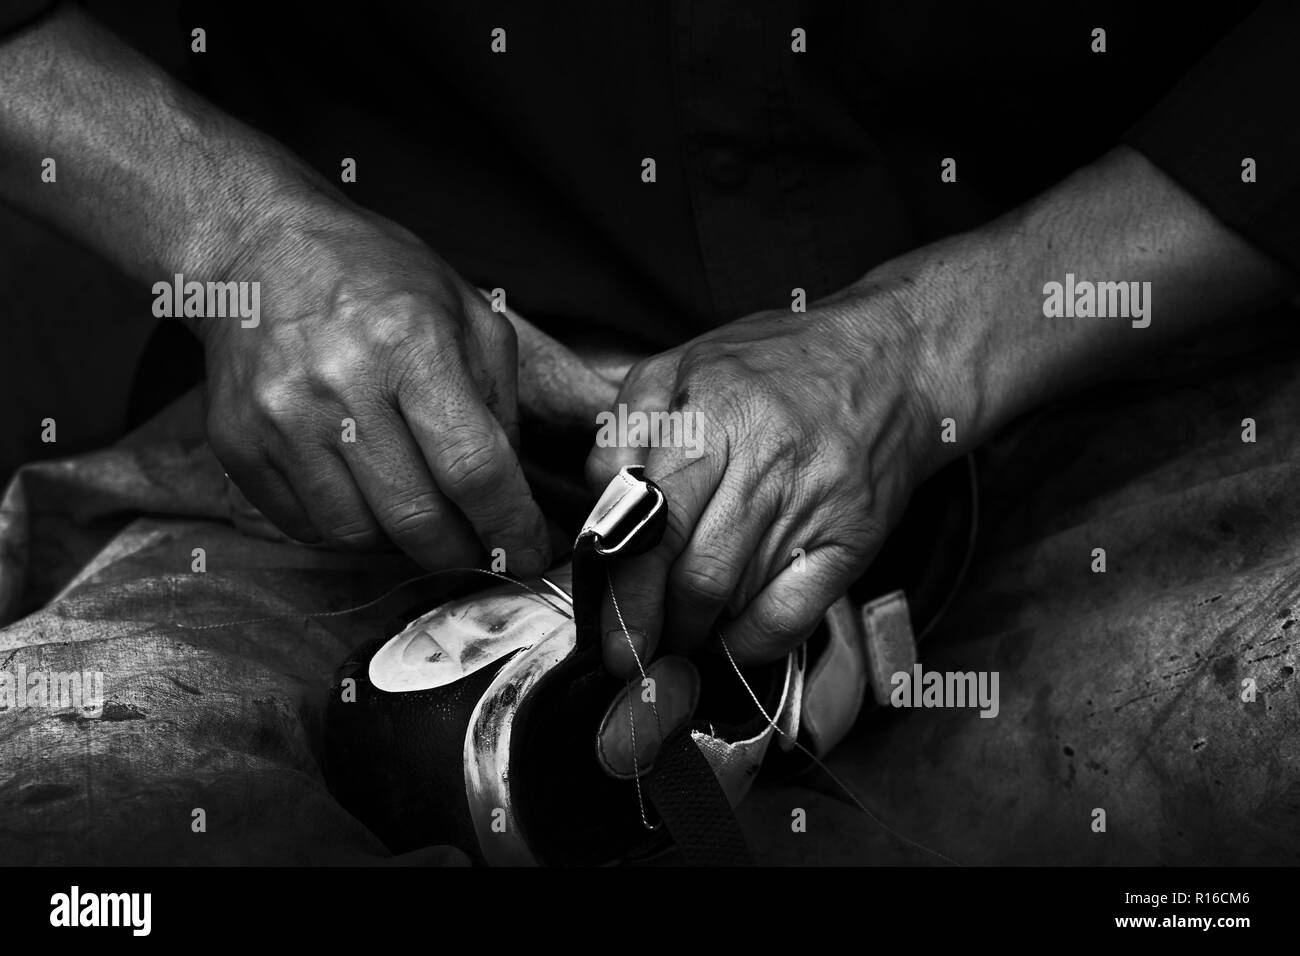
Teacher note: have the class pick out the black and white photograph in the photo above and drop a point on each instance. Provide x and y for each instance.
(851, 443)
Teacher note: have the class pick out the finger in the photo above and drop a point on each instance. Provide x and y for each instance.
(324, 484)
(785, 544)
(247, 519)
(248, 464)
(704, 578)
(260, 482)
(556, 386)
(397, 485)
(493, 342)
(789, 608)
(604, 462)
(619, 443)
(470, 458)
(639, 583)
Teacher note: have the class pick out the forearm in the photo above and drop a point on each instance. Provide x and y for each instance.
(977, 300)
(147, 173)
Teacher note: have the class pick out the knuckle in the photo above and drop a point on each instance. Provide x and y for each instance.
(647, 377)
(411, 340)
(399, 325)
(353, 536)
(766, 445)
(414, 517)
(678, 523)
(275, 400)
(473, 466)
(779, 619)
(705, 578)
(339, 370)
(389, 333)
(640, 372)
(419, 362)
(721, 373)
(839, 459)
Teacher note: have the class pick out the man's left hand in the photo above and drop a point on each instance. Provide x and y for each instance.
(811, 429)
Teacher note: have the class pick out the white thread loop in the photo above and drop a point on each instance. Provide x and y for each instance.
(631, 718)
(827, 770)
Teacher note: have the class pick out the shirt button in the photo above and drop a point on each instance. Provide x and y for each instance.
(725, 167)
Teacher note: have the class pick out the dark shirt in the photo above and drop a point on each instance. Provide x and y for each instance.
(775, 169)
(15, 14)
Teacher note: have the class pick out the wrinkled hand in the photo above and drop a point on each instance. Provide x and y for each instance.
(361, 321)
(813, 430)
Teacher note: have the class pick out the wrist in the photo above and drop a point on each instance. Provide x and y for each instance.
(257, 210)
(290, 243)
(929, 300)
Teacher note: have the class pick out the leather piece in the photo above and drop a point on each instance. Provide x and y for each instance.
(589, 569)
(571, 812)
(890, 643)
(461, 636)
(791, 719)
(735, 759)
(1158, 472)
(693, 807)
(396, 760)
(494, 789)
(837, 681)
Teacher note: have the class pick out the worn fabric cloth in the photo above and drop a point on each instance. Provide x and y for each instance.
(99, 550)
(1119, 691)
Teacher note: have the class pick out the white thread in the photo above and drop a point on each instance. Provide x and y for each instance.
(636, 772)
(631, 718)
(383, 597)
(635, 656)
(812, 756)
(640, 667)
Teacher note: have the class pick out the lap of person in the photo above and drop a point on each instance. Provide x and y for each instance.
(1162, 691)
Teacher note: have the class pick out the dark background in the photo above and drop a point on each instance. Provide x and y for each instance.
(75, 332)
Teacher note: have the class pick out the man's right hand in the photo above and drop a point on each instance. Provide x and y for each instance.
(359, 319)
(362, 321)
